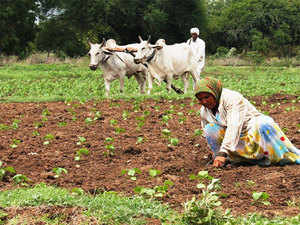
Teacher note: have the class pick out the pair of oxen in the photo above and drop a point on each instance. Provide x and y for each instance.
(145, 62)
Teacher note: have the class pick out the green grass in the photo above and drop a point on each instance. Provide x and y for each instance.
(105, 207)
(112, 208)
(59, 82)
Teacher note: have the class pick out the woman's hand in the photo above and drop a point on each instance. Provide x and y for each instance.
(219, 161)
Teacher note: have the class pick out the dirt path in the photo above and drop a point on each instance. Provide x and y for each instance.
(97, 172)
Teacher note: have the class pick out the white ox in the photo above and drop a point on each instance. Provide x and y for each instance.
(166, 61)
(116, 65)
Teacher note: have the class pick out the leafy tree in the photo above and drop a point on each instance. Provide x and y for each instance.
(252, 24)
(55, 35)
(17, 25)
(172, 19)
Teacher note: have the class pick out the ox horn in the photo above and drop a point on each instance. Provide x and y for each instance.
(140, 38)
(103, 43)
(149, 37)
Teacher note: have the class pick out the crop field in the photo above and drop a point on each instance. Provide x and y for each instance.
(70, 156)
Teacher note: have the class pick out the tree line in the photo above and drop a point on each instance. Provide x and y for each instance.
(65, 26)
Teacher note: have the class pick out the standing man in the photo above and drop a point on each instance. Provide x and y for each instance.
(198, 47)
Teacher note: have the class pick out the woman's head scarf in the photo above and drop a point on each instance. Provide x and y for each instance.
(210, 85)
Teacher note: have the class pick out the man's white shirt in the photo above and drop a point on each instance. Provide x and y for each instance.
(198, 48)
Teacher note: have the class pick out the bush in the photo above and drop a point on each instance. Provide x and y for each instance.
(255, 57)
(221, 51)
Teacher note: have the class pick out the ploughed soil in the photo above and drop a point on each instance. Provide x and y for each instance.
(63, 123)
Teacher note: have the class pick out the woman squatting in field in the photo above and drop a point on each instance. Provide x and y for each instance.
(237, 132)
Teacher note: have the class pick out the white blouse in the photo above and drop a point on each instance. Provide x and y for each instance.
(234, 113)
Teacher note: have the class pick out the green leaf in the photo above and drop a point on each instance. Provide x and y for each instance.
(154, 172)
(174, 141)
(201, 186)
(257, 195)
(77, 191)
(10, 169)
(168, 183)
(192, 177)
(197, 132)
(138, 189)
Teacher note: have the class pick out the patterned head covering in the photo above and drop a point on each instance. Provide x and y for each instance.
(210, 85)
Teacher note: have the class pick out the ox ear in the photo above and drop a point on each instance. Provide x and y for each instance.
(90, 43)
(149, 37)
(158, 47)
(103, 43)
(140, 38)
(106, 52)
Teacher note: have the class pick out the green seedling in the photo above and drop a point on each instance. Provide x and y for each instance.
(132, 173)
(146, 113)
(97, 115)
(62, 124)
(108, 140)
(157, 191)
(202, 211)
(141, 121)
(6, 171)
(15, 124)
(4, 127)
(198, 113)
(35, 133)
(38, 125)
(119, 130)
(125, 115)
(81, 140)
(180, 114)
(182, 118)
(288, 109)
(261, 197)
(58, 171)
(48, 138)
(80, 152)
(21, 179)
(203, 175)
(170, 111)
(15, 143)
(77, 191)
(109, 146)
(251, 183)
(191, 112)
(139, 140)
(113, 122)
(166, 118)
(154, 172)
(45, 112)
(173, 142)
(88, 120)
(166, 132)
(136, 106)
(198, 132)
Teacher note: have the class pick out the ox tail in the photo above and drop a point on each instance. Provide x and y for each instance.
(177, 90)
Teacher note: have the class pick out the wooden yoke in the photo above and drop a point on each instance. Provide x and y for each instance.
(120, 49)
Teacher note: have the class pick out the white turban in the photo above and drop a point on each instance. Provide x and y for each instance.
(195, 30)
